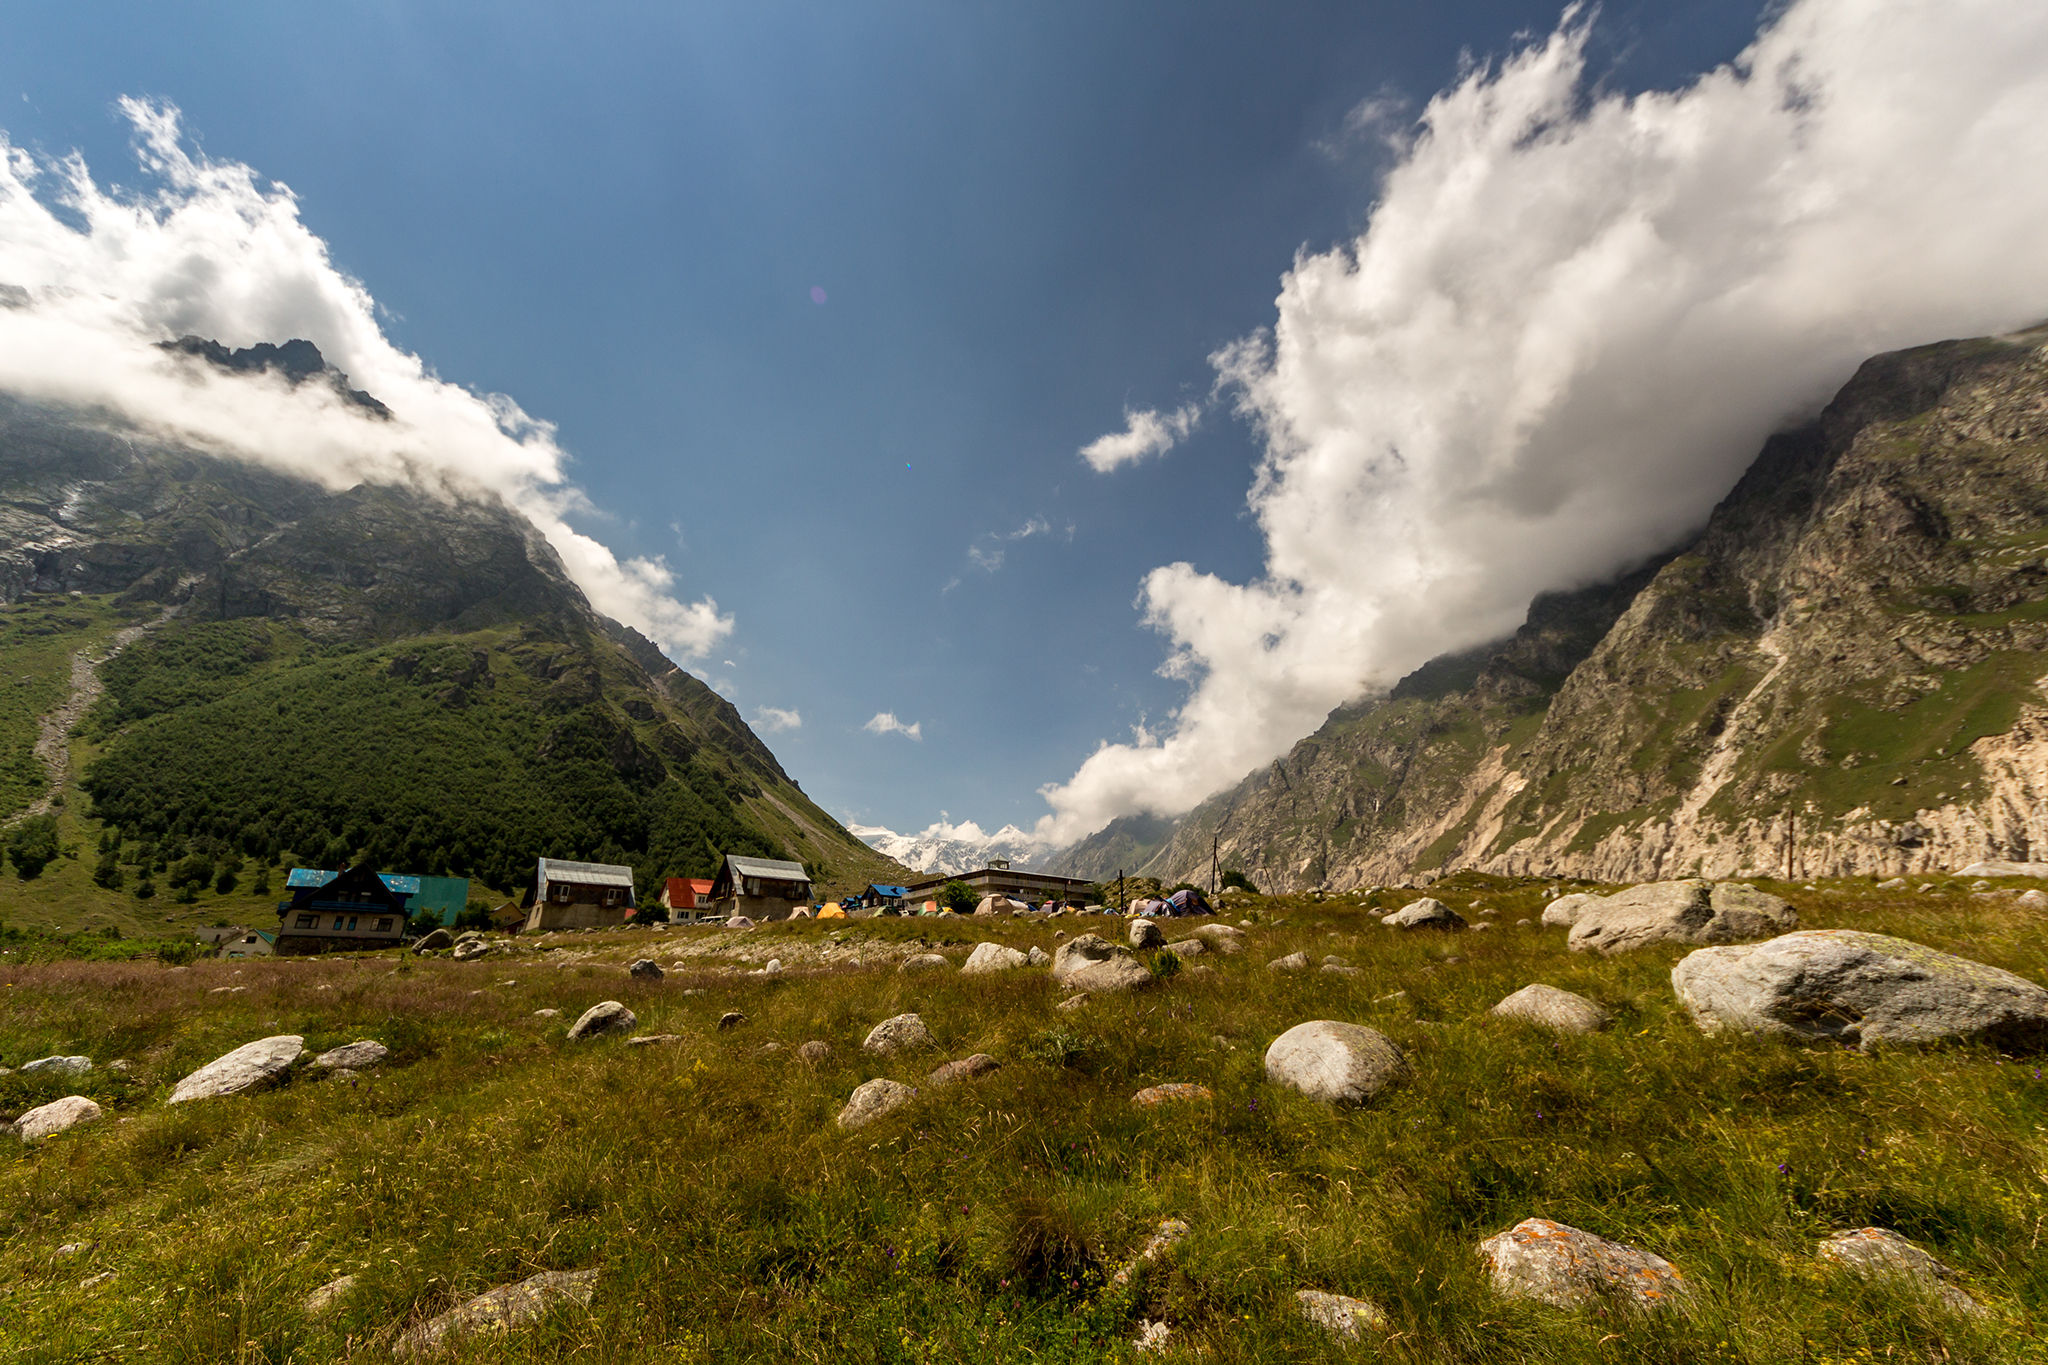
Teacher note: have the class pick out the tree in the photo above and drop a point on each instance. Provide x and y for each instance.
(261, 885)
(107, 872)
(145, 888)
(1232, 877)
(230, 873)
(32, 846)
(958, 897)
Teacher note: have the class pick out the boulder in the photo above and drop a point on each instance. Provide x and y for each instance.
(925, 962)
(656, 1039)
(966, 1069)
(1861, 989)
(646, 967)
(1567, 1268)
(1293, 962)
(57, 1066)
(730, 1020)
(815, 1053)
(1144, 934)
(1564, 912)
(439, 938)
(2033, 900)
(1153, 1095)
(903, 1033)
(1334, 1062)
(470, 950)
(607, 1016)
(326, 1296)
(547, 1014)
(1162, 1240)
(1996, 868)
(1038, 957)
(1553, 1009)
(739, 922)
(992, 957)
(772, 967)
(1427, 913)
(1688, 911)
(1339, 1315)
(354, 1056)
(48, 1119)
(1222, 937)
(1881, 1254)
(1090, 963)
(515, 1305)
(1187, 947)
(246, 1068)
(872, 1100)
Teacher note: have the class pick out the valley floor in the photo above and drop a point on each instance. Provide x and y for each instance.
(729, 1218)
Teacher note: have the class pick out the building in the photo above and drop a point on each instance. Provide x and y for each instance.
(353, 910)
(443, 897)
(998, 880)
(888, 899)
(759, 888)
(686, 897)
(255, 943)
(570, 895)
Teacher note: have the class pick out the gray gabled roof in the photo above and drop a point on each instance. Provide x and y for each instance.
(767, 869)
(589, 874)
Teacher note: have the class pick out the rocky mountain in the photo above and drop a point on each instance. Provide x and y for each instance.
(1842, 674)
(943, 855)
(384, 672)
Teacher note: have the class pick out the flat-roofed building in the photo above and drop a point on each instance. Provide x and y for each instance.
(570, 895)
(1001, 881)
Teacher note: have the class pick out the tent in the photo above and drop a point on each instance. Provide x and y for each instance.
(1188, 901)
(1149, 906)
(1000, 905)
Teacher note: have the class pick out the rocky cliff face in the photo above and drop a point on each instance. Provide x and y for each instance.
(1843, 674)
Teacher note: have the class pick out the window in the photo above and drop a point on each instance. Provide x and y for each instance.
(308, 922)
(384, 925)
(559, 894)
(337, 921)
(351, 923)
(611, 896)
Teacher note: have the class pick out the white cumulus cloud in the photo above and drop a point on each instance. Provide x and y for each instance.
(211, 250)
(1146, 432)
(1568, 325)
(773, 718)
(885, 723)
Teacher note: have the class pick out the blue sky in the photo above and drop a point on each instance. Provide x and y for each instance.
(1026, 219)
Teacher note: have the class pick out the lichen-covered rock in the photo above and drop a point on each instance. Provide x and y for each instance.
(873, 1099)
(992, 957)
(1293, 962)
(966, 1069)
(1687, 911)
(248, 1067)
(901, 1033)
(47, 1120)
(815, 1053)
(1427, 913)
(1143, 934)
(1340, 1315)
(1090, 963)
(1861, 989)
(1335, 1062)
(1881, 1254)
(356, 1056)
(1564, 912)
(1553, 1009)
(1565, 1267)
(515, 1305)
(607, 1016)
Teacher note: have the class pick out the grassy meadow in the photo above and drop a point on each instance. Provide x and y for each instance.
(731, 1220)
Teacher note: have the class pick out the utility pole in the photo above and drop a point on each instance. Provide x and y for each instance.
(1123, 902)
(1215, 843)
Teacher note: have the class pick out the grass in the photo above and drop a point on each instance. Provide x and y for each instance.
(732, 1221)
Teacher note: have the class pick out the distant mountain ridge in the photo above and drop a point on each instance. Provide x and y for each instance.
(1842, 674)
(937, 855)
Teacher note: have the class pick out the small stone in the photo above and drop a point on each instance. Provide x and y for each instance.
(607, 1016)
(1524, 923)
(73, 1248)
(731, 1019)
(1332, 960)
(47, 1120)
(815, 1053)
(2033, 900)
(1187, 948)
(1553, 1009)
(470, 950)
(1037, 957)
(326, 1296)
(925, 962)
(95, 1281)
(966, 1069)
(872, 1100)
(649, 1039)
(353, 1056)
(1881, 1254)
(1335, 1062)
(1153, 1095)
(1895, 884)
(547, 1014)
(515, 1305)
(992, 957)
(121, 1066)
(1339, 1315)
(57, 1066)
(248, 1067)
(1338, 969)
(1427, 913)
(1144, 934)
(1566, 1268)
(1293, 962)
(902, 1033)
(646, 967)
(1072, 1003)
(1169, 1231)
(773, 968)
(1153, 1337)
(1222, 937)
(1482, 925)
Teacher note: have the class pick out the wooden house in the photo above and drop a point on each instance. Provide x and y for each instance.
(759, 888)
(686, 897)
(352, 910)
(570, 895)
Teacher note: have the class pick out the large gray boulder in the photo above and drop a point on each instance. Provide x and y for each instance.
(1996, 868)
(48, 1119)
(1038, 957)
(248, 1067)
(1847, 986)
(1144, 934)
(1293, 962)
(357, 1056)
(439, 938)
(1565, 1267)
(1427, 913)
(1881, 1254)
(57, 1066)
(1090, 963)
(514, 1305)
(646, 967)
(872, 1100)
(1553, 1009)
(606, 1016)
(903, 1033)
(992, 957)
(1564, 912)
(1689, 911)
(1223, 938)
(1335, 1062)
